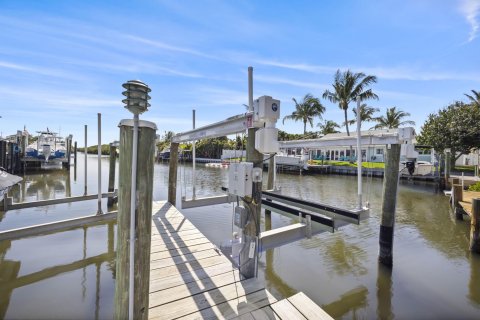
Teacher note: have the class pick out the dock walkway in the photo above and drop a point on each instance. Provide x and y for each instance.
(466, 202)
(191, 279)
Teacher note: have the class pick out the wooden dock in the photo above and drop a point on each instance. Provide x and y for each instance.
(466, 202)
(191, 279)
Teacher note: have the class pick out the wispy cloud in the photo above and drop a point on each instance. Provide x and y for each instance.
(298, 66)
(390, 73)
(292, 82)
(471, 10)
(71, 102)
(38, 70)
(169, 47)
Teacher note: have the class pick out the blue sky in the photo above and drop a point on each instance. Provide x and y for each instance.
(62, 62)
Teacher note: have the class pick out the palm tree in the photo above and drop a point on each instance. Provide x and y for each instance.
(305, 111)
(366, 114)
(475, 98)
(349, 87)
(393, 119)
(328, 126)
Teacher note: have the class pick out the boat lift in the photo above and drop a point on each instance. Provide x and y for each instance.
(314, 217)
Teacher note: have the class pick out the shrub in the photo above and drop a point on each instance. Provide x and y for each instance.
(474, 187)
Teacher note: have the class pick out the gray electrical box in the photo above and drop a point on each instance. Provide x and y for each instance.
(240, 218)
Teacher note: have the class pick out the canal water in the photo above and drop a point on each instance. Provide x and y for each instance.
(71, 274)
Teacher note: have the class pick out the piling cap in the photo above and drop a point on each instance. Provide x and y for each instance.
(137, 96)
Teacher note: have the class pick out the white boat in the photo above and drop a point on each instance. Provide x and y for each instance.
(222, 164)
(47, 147)
(416, 168)
(290, 160)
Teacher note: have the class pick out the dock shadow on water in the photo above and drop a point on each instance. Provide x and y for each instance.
(71, 274)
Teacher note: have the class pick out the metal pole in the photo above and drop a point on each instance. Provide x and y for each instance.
(248, 267)
(359, 156)
(133, 206)
(193, 159)
(85, 152)
(250, 89)
(99, 152)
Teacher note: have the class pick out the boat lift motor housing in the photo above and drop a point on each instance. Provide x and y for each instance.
(240, 178)
(266, 112)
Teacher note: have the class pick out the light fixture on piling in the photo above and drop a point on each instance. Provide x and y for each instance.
(137, 103)
(137, 96)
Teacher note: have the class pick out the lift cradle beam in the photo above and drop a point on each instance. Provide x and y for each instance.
(350, 216)
(235, 124)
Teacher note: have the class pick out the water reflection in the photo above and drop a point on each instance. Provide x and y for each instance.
(13, 279)
(272, 277)
(345, 258)
(384, 292)
(351, 301)
(43, 185)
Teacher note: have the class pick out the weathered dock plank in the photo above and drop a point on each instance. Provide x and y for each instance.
(239, 306)
(191, 279)
(265, 313)
(308, 308)
(193, 288)
(179, 279)
(285, 310)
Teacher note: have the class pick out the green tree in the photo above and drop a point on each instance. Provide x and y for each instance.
(349, 87)
(474, 98)
(456, 126)
(284, 136)
(393, 119)
(212, 148)
(366, 114)
(328, 126)
(165, 140)
(306, 111)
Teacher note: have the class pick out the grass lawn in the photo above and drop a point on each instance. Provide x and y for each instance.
(370, 165)
(464, 168)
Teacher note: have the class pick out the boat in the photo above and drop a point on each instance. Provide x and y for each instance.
(48, 147)
(222, 164)
(7, 180)
(417, 168)
(417, 160)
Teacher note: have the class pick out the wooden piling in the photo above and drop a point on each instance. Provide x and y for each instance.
(475, 226)
(69, 151)
(271, 172)
(145, 162)
(3, 154)
(75, 154)
(270, 186)
(447, 166)
(457, 195)
(111, 172)
(172, 173)
(390, 186)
